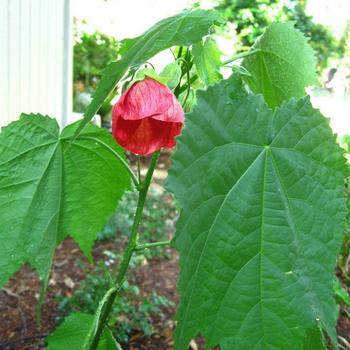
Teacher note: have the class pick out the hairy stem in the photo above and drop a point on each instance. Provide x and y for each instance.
(130, 249)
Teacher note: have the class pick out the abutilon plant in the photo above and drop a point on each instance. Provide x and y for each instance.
(257, 172)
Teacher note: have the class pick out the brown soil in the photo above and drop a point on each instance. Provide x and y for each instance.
(19, 298)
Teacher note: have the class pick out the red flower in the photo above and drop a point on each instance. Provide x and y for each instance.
(147, 117)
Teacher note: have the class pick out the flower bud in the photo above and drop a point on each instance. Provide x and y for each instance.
(147, 117)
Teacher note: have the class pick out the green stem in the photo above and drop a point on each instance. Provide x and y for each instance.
(185, 86)
(179, 57)
(188, 81)
(98, 312)
(152, 245)
(139, 168)
(179, 53)
(130, 249)
(241, 55)
(120, 158)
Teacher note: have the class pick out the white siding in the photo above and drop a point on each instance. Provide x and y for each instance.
(35, 59)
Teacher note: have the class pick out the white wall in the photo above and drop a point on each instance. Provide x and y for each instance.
(35, 58)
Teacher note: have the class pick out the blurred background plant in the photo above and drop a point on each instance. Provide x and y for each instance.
(248, 18)
(91, 54)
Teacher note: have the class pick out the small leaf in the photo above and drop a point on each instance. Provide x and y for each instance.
(49, 190)
(177, 30)
(71, 334)
(107, 341)
(171, 74)
(284, 66)
(207, 60)
(263, 216)
(147, 72)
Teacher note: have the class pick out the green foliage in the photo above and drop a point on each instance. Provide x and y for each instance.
(91, 54)
(261, 191)
(172, 31)
(158, 221)
(70, 334)
(170, 75)
(131, 312)
(51, 188)
(341, 294)
(259, 234)
(322, 40)
(250, 17)
(283, 66)
(206, 57)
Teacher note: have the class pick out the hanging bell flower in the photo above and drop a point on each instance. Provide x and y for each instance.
(147, 117)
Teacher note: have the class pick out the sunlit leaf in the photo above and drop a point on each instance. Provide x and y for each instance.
(206, 57)
(172, 75)
(283, 67)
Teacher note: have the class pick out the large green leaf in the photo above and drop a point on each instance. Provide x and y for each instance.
(207, 58)
(71, 334)
(263, 214)
(183, 29)
(284, 65)
(49, 190)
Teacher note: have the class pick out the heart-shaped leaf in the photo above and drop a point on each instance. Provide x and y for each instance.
(51, 188)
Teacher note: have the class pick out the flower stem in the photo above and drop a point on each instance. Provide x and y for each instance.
(241, 55)
(128, 253)
(139, 168)
(151, 245)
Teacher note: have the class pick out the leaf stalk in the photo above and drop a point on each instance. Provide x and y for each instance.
(144, 246)
(241, 55)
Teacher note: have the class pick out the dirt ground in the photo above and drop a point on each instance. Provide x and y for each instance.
(18, 301)
(19, 298)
